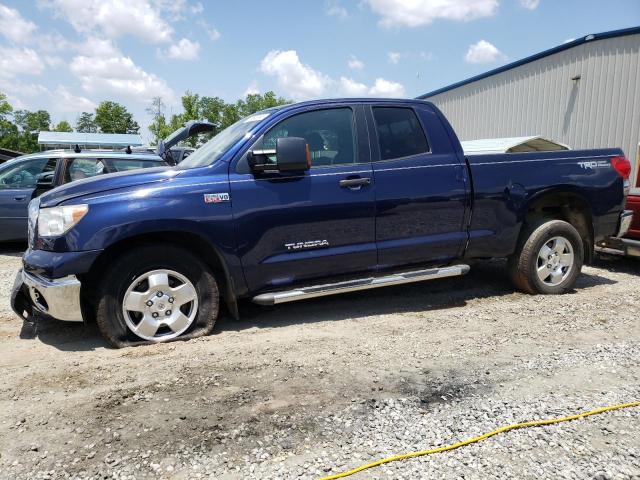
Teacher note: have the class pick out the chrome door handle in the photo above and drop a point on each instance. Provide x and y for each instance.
(355, 183)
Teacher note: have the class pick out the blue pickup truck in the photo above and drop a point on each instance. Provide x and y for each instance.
(307, 200)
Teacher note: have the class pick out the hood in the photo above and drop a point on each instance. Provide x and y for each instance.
(102, 183)
(191, 128)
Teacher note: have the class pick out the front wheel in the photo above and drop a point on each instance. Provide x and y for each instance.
(155, 294)
(548, 259)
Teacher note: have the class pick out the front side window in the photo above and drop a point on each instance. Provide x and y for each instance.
(25, 174)
(399, 133)
(329, 133)
(79, 168)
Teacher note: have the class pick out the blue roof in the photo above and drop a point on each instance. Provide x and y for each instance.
(565, 46)
(102, 139)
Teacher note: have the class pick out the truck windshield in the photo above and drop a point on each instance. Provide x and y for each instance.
(218, 145)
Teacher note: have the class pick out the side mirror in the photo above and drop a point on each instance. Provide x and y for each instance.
(44, 183)
(292, 154)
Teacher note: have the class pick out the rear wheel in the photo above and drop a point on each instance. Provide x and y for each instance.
(156, 294)
(549, 258)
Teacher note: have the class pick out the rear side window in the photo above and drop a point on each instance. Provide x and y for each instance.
(399, 132)
(121, 165)
(79, 168)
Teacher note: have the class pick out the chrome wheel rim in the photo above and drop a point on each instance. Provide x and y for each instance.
(160, 305)
(555, 261)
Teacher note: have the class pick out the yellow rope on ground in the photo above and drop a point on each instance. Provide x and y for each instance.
(513, 426)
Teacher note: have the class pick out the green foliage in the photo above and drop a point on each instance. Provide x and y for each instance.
(111, 117)
(63, 126)
(211, 109)
(5, 107)
(86, 123)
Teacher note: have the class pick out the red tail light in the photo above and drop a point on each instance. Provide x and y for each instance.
(622, 166)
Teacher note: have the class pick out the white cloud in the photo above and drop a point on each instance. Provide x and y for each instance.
(354, 63)
(53, 61)
(23, 89)
(185, 49)
(386, 88)
(68, 102)
(106, 71)
(252, 89)
(14, 26)
(414, 13)
(351, 88)
(483, 52)
(296, 79)
(530, 4)
(197, 8)
(213, 32)
(381, 88)
(394, 57)
(334, 9)
(17, 61)
(115, 18)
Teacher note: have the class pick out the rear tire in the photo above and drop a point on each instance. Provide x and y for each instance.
(156, 293)
(548, 259)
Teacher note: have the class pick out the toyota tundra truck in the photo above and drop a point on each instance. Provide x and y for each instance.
(307, 200)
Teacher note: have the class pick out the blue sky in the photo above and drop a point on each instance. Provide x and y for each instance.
(67, 55)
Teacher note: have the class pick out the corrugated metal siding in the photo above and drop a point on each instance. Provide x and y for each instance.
(602, 109)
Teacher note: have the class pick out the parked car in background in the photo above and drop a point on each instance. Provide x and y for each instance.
(306, 200)
(27, 177)
(629, 244)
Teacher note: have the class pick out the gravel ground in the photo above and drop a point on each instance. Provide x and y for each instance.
(318, 387)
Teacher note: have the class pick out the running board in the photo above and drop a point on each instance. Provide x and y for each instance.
(274, 298)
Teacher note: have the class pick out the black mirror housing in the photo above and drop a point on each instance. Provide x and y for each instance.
(292, 153)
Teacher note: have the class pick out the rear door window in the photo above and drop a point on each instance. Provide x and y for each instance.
(399, 133)
(125, 164)
(79, 168)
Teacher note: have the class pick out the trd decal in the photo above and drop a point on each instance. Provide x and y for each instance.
(307, 244)
(594, 164)
(216, 197)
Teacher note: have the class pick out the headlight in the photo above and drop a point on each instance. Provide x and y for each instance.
(55, 221)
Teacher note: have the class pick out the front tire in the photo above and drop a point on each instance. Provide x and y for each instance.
(549, 258)
(156, 293)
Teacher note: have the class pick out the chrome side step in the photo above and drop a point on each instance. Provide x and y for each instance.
(274, 298)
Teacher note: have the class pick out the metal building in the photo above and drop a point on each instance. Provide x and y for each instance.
(584, 93)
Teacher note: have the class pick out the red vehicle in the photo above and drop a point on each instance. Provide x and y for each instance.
(629, 244)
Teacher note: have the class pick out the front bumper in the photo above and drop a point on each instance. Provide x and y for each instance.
(34, 295)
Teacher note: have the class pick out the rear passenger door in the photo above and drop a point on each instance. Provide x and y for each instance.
(420, 187)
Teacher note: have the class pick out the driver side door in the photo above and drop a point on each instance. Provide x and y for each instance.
(297, 227)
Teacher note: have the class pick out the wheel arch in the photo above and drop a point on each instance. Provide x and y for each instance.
(188, 240)
(567, 205)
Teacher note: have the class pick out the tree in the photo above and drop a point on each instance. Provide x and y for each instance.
(111, 117)
(86, 123)
(32, 122)
(211, 109)
(158, 127)
(63, 126)
(5, 107)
